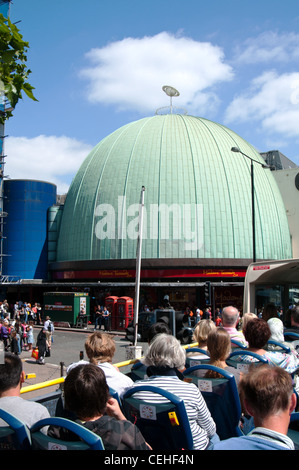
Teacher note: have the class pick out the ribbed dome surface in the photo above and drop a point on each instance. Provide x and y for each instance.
(181, 160)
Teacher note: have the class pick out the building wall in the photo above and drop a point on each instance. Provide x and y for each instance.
(288, 183)
(197, 201)
(25, 231)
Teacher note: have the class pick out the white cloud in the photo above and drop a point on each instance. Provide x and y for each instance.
(273, 100)
(47, 158)
(130, 73)
(269, 47)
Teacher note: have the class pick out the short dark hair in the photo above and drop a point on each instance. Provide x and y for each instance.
(158, 328)
(269, 311)
(257, 332)
(10, 372)
(86, 391)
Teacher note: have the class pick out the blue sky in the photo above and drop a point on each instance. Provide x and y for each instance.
(99, 64)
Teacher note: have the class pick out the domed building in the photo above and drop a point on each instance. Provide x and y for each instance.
(197, 208)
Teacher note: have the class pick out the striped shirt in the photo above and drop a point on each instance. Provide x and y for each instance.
(201, 422)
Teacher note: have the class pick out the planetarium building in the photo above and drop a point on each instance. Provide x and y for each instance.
(198, 226)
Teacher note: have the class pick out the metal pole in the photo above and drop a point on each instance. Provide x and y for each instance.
(236, 149)
(138, 266)
(253, 214)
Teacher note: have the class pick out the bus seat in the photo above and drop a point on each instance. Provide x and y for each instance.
(14, 436)
(87, 440)
(165, 426)
(138, 371)
(201, 356)
(244, 365)
(222, 399)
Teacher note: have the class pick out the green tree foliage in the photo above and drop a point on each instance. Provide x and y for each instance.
(13, 69)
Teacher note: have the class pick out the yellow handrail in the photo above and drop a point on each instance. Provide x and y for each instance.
(60, 380)
(48, 383)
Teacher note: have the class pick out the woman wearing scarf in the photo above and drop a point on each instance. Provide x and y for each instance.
(164, 359)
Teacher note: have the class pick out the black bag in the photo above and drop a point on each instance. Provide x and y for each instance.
(48, 353)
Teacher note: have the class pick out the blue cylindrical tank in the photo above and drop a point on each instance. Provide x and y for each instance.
(26, 203)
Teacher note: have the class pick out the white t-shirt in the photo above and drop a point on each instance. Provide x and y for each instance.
(115, 379)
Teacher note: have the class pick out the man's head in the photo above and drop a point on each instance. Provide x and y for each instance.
(11, 373)
(267, 392)
(230, 316)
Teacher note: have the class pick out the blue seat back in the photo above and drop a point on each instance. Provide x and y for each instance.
(203, 357)
(14, 436)
(114, 394)
(234, 360)
(53, 401)
(87, 440)
(237, 344)
(293, 431)
(221, 396)
(278, 346)
(138, 371)
(165, 426)
(292, 338)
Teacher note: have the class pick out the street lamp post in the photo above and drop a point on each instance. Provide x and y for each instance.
(237, 150)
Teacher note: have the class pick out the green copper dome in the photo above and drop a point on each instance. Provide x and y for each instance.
(197, 199)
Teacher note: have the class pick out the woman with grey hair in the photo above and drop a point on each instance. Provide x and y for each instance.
(164, 359)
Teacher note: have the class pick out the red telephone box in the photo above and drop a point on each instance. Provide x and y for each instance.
(111, 303)
(124, 312)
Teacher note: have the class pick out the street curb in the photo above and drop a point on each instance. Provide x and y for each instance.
(83, 330)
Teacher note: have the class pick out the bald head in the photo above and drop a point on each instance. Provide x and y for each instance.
(230, 316)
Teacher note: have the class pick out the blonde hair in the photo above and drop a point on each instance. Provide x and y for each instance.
(246, 318)
(202, 330)
(100, 347)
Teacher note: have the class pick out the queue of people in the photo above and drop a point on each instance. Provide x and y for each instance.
(16, 335)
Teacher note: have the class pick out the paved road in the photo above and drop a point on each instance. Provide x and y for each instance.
(66, 348)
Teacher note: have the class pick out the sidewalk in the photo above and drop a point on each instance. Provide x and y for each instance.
(43, 372)
(49, 371)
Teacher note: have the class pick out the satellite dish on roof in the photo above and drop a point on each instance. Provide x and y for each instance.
(171, 92)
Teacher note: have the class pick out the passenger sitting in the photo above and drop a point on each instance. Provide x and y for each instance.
(267, 394)
(230, 321)
(246, 318)
(269, 311)
(164, 359)
(277, 334)
(139, 369)
(257, 333)
(157, 328)
(87, 400)
(219, 347)
(201, 333)
(100, 349)
(12, 378)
